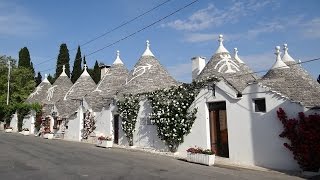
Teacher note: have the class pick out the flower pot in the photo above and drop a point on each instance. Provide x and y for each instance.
(48, 136)
(26, 133)
(8, 130)
(201, 158)
(104, 143)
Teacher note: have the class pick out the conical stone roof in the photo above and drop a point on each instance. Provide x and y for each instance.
(59, 88)
(148, 75)
(40, 93)
(108, 86)
(292, 83)
(83, 86)
(232, 70)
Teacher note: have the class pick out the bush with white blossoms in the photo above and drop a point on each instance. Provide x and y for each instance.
(128, 108)
(89, 125)
(172, 114)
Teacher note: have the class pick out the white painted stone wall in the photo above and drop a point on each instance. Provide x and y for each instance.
(14, 122)
(75, 125)
(28, 121)
(253, 136)
(104, 124)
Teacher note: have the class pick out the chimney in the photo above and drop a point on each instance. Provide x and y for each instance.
(104, 69)
(198, 63)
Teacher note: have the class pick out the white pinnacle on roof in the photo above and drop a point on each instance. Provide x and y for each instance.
(236, 57)
(45, 80)
(221, 48)
(147, 52)
(63, 71)
(118, 60)
(286, 57)
(85, 72)
(279, 64)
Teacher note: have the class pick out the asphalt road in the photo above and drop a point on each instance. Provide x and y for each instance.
(28, 157)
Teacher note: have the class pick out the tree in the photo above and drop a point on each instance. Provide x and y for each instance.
(25, 60)
(50, 79)
(76, 71)
(63, 59)
(21, 85)
(84, 60)
(38, 79)
(96, 74)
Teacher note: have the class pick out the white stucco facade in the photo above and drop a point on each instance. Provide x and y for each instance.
(74, 126)
(28, 121)
(14, 122)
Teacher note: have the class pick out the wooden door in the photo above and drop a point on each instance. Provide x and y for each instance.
(218, 129)
(116, 129)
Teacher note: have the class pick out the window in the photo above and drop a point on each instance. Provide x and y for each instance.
(259, 105)
(146, 121)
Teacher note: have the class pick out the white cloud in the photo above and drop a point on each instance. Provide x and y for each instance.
(260, 62)
(202, 37)
(16, 21)
(212, 16)
(312, 28)
(181, 72)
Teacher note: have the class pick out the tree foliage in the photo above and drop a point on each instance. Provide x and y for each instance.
(63, 59)
(38, 79)
(21, 85)
(76, 71)
(96, 74)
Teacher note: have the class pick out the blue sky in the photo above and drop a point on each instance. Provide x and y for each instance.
(254, 27)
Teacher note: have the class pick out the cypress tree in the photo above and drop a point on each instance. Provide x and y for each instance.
(96, 74)
(38, 79)
(84, 60)
(24, 58)
(76, 71)
(63, 59)
(32, 69)
(50, 79)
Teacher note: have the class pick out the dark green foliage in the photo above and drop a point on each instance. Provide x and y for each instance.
(21, 85)
(84, 60)
(96, 74)
(38, 79)
(24, 58)
(76, 71)
(50, 79)
(63, 59)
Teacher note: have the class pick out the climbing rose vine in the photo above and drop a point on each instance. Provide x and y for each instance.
(89, 125)
(304, 137)
(128, 108)
(172, 112)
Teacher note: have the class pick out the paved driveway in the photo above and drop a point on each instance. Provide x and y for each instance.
(28, 157)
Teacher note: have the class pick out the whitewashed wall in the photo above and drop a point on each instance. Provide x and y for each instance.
(28, 121)
(14, 122)
(253, 136)
(75, 125)
(104, 122)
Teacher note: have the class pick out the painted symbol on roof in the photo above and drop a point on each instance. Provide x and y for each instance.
(138, 71)
(227, 63)
(50, 92)
(97, 89)
(70, 91)
(39, 88)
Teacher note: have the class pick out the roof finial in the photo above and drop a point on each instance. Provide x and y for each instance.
(85, 72)
(279, 64)
(236, 57)
(46, 78)
(63, 71)
(221, 48)
(286, 56)
(147, 52)
(118, 60)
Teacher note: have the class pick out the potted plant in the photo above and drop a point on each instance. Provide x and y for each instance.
(104, 141)
(48, 135)
(8, 129)
(25, 131)
(201, 156)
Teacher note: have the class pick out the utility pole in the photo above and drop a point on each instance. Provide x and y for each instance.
(9, 66)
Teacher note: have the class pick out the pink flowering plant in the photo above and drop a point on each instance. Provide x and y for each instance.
(105, 138)
(198, 150)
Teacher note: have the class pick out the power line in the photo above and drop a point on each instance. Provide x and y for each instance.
(136, 32)
(112, 30)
